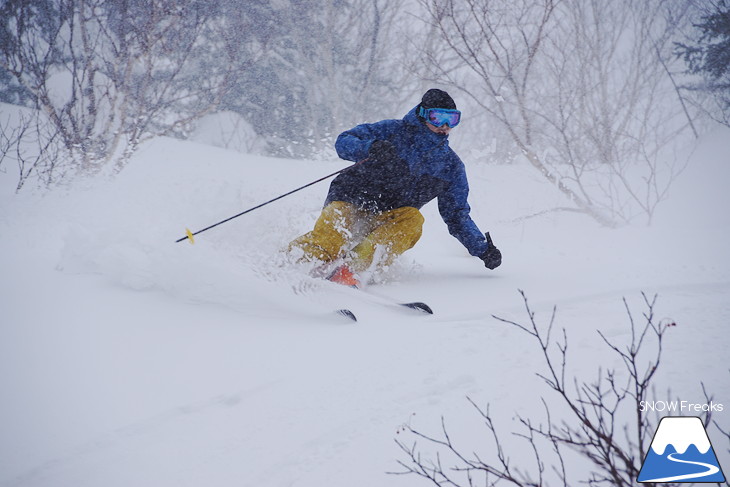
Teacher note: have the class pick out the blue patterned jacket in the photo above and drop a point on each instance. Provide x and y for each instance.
(428, 168)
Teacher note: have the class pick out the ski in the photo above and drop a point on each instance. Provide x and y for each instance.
(347, 313)
(389, 301)
(342, 275)
(418, 306)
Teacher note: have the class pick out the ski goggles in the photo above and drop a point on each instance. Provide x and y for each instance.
(440, 116)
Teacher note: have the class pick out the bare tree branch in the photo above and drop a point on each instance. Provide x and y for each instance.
(602, 419)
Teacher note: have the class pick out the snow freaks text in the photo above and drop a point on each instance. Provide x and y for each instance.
(680, 406)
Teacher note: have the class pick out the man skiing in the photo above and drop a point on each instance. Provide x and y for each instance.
(371, 213)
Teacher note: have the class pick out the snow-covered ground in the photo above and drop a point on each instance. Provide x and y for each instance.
(127, 359)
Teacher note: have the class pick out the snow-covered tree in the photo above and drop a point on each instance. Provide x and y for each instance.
(326, 66)
(107, 75)
(581, 89)
(708, 55)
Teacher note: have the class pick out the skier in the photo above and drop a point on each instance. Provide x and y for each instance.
(371, 213)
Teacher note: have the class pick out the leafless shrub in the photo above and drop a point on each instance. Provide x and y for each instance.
(33, 147)
(603, 421)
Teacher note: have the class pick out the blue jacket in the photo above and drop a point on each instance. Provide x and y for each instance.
(428, 169)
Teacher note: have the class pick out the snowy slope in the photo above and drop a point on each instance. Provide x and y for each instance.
(129, 360)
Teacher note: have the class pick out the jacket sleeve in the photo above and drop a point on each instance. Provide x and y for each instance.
(354, 144)
(455, 209)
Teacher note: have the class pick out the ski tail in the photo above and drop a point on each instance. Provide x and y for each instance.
(348, 314)
(418, 306)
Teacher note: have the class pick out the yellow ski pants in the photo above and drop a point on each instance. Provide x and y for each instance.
(342, 227)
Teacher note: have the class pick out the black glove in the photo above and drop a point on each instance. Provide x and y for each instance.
(383, 151)
(492, 257)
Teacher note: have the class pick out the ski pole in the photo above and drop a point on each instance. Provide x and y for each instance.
(189, 235)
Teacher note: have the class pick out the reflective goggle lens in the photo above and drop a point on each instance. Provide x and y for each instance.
(440, 116)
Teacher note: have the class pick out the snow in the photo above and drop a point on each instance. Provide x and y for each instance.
(129, 359)
(228, 130)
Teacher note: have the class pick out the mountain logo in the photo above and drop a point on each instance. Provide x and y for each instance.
(681, 452)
